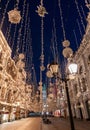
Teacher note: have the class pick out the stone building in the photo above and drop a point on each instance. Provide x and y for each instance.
(14, 92)
(79, 88)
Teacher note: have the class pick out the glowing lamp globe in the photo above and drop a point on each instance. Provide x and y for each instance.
(72, 68)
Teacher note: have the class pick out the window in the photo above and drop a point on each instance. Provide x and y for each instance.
(84, 84)
(80, 70)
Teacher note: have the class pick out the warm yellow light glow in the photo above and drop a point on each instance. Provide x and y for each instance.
(54, 68)
(73, 68)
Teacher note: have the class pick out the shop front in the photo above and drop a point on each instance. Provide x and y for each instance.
(4, 114)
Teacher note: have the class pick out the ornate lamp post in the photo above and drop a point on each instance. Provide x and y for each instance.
(73, 69)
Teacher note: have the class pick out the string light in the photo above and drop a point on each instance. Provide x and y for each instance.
(62, 24)
(80, 14)
(83, 13)
(9, 29)
(29, 62)
(42, 47)
(5, 10)
(21, 26)
(54, 41)
(79, 27)
(14, 36)
(41, 12)
(57, 58)
(28, 48)
(8, 33)
(67, 51)
(17, 3)
(75, 38)
(52, 46)
(26, 20)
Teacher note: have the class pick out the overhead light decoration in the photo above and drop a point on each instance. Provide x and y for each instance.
(14, 16)
(21, 56)
(41, 11)
(42, 67)
(67, 51)
(66, 43)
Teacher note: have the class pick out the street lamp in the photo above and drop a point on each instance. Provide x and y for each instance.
(73, 69)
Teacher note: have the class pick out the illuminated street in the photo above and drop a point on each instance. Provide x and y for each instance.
(45, 65)
(37, 124)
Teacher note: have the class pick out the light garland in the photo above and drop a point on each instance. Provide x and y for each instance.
(79, 28)
(55, 41)
(29, 64)
(14, 36)
(3, 18)
(14, 15)
(42, 48)
(8, 32)
(26, 20)
(21, 26)
(81, 19)
(41, 12)
(75, 38)
(62, 24)
(67, 51)
(83, 12)
(52, 47)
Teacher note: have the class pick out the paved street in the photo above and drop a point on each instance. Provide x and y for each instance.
(23, 124)
(63, 124)
(37, 124)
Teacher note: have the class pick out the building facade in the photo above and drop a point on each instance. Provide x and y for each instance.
(79, 88)
(14, 92)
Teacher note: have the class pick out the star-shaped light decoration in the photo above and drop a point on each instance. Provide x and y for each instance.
(41, 11)
(14, 16)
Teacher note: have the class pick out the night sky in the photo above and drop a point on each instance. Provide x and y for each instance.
(74, 13)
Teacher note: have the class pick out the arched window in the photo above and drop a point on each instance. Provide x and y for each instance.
(84, 84)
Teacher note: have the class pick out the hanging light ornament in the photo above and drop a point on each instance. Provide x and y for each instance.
(41, 12)
(14, 15)
(67, 51)
(66, 43)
